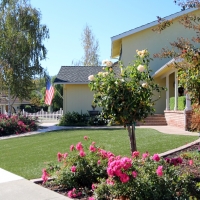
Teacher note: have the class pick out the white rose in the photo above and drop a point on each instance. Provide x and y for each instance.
(91, 77)
(141, 68)
(144, 85)
(109, 63)
(105, 74)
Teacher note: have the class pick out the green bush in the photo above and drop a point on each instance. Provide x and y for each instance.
(76, 119)
(181, 103)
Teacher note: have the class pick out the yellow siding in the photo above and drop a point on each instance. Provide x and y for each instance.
(154, 42)
(160, 105)
(77, 98)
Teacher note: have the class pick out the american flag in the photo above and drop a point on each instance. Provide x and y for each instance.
(49, 92)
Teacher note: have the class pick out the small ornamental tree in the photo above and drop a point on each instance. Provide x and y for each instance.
(126, 97)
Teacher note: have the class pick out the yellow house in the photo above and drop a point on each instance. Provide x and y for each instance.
(124, 46)
(76, 93)
(78, 97)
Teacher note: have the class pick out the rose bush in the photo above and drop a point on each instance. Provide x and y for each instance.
(17, 124)
(126, 95)
(91, 171)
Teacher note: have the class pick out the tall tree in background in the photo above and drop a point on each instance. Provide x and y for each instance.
(91, 49)
(21, 47)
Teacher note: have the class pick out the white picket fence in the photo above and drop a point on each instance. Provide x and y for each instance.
(42, 115)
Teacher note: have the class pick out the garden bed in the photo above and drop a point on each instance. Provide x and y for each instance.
(185, 154)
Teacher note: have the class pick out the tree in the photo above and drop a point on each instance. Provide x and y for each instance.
(90, 47)
(21, 46)
(126, 97)
(185, 51)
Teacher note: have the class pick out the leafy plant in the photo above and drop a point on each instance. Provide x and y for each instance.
(126, 97)
(17, 124)
(109, 176)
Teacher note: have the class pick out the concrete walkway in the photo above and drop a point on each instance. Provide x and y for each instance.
(14, 187)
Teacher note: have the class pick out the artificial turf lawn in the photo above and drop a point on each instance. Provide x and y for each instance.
(26, 156)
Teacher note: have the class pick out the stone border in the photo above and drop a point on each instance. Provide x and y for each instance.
(179, 148)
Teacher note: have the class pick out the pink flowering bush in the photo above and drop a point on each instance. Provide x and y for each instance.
(107, 176)
(17, 124)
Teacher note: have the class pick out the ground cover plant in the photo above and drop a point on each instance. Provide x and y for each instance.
(17, 124)
(87, 171)
(26, 156)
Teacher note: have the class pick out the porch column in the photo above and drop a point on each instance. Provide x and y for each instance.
(167, 93)
(188, 102)
(176, 91)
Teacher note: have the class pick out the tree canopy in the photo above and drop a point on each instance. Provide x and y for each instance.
(91, 49)
(21, 46)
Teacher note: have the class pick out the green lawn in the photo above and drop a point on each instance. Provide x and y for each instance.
(26, 156)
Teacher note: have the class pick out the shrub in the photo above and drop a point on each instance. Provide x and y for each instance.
(195, 118)
(17, 124)
(109, 176)
(181, 103)
(76, 119)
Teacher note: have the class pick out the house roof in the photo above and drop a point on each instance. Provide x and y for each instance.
(78, 74)
(116, 40)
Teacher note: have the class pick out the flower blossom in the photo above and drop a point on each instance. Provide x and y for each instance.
(72, 147)
(141, 53)
(141, 68)
(92, 148)
(145, 155)
(159, 171)
(91, 78)
(85, 137)
(79, 146)
(45, 175)
(156, 157)
(73, 169)
(135, 154)
(144, 85)
(134, 173)
(108, 63)
(82, 153)
(190, 162)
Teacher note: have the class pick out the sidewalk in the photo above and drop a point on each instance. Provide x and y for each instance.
(14, 187)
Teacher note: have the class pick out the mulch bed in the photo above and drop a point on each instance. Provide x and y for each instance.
(193, 169)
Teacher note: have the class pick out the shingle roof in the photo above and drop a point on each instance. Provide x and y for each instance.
(78, 74)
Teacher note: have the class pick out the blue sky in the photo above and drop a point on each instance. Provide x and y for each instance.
(66, 20)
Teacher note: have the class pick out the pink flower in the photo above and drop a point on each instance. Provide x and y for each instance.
(65, 155)
(190, 162)
(99, 162)
(124, 178)
(92, 148)
(85, 137)
(110, 182)
(145, 155)
(135, 154)
(59, 156)
(79, 146)
(82, 153)
(45, 175)
(72, 147)
(73, 169)
(94, 186)
(159, 171)
(72, 193)
(93, 143)
(134, 173)
(156, 157)
(91, 198)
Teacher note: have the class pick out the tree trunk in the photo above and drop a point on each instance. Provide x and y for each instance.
(131, 134)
